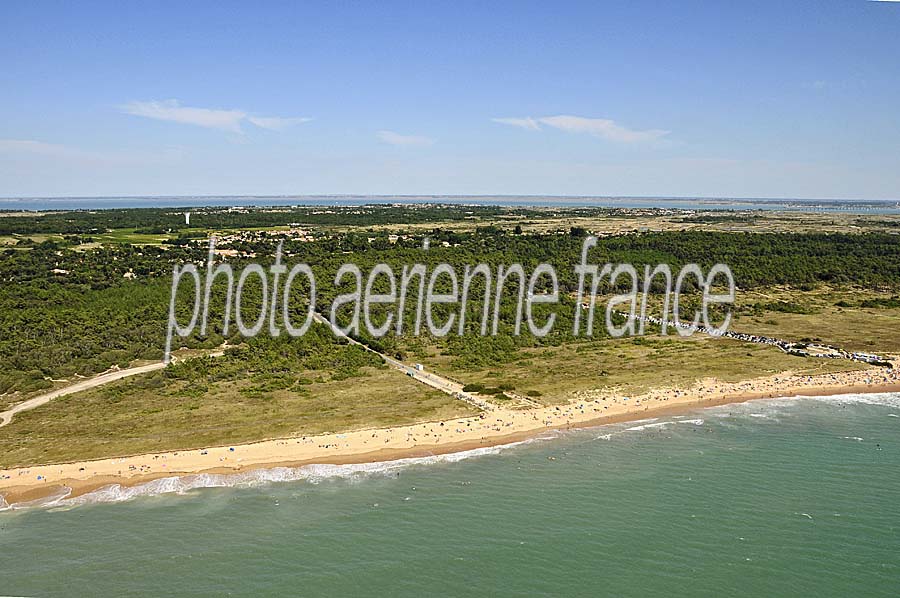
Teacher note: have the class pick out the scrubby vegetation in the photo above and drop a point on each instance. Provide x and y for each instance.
(67, 309)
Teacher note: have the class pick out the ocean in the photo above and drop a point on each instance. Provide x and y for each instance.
(784, 497)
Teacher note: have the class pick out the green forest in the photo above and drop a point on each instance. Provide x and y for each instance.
(66, 309)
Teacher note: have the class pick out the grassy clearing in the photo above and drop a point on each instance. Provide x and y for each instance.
(11, 399)
(145, 414)
(634, 365)
(127, 235)
(849, 326)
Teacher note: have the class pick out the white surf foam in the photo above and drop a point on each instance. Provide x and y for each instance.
(778, 406)
(53, 499)
(649, 426)
(887, 399)
(314, 474)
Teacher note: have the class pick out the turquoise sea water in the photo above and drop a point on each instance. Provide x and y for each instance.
(794, 497)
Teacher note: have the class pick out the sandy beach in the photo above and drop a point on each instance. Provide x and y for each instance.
(495, 427)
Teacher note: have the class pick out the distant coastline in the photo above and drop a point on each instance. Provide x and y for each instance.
(37, 204)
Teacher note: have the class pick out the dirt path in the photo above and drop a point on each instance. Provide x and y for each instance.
(6, 416)
(431, 379)
(105, 378)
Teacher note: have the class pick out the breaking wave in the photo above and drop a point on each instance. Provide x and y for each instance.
(885, 399)
(764, 409)
(313, 474)
(657, 424)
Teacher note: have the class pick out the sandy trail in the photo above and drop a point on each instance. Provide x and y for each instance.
(430, 379)
(6, 416)
(105, 378)
(454, 389)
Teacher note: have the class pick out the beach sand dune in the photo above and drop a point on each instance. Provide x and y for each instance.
(495, 427)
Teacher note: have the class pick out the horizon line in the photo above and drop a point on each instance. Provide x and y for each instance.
(446, 196)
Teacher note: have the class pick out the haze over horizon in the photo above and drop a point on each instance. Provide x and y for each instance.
(401, 197)
(601, 100)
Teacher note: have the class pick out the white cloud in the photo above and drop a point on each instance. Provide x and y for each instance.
(172, 110)
(598, 127)
(602, 127)
(276, 123)
(524, 123)
(211, 118)
(404, 140)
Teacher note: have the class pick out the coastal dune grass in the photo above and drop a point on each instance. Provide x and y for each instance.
(833, 316)
(149, 413)
(633, 366)
(551, 375)
(253, 395)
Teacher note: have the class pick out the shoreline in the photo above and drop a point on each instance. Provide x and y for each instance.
(493, 428)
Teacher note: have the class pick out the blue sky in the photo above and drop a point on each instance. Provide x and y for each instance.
(762, 99)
